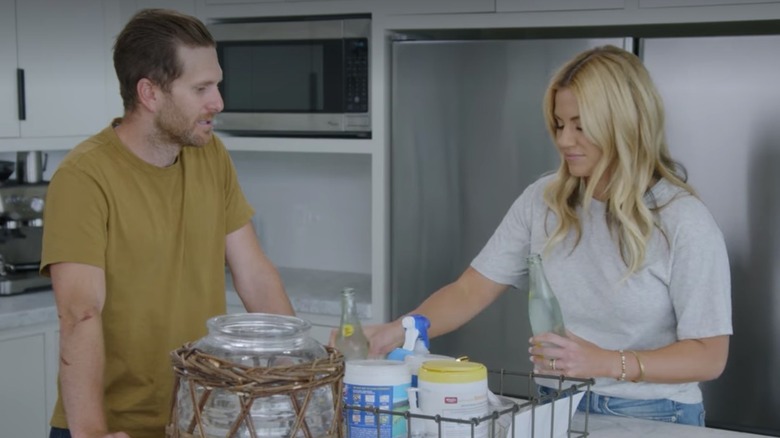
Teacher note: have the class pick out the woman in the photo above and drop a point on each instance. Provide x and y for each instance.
(636, 260)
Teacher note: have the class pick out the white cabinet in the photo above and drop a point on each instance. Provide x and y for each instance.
(215, 9)
(435, 6)
(688, 3)
(231, 2)
(9, 121)
(556, 5)
(26, 383)
(64, 54)
(130, 7)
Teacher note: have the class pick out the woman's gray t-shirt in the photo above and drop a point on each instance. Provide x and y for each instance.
(682, 291)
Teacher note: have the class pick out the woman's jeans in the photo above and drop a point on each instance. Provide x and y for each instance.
(657, 409)
(56, 432)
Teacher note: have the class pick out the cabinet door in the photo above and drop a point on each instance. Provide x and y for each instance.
(689, 3)
(23, 395)
(228, 2)
(65, 54)
(9, 121)
(436, 6)
(556, 5)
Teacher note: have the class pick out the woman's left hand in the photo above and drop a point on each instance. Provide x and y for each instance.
(571, 356)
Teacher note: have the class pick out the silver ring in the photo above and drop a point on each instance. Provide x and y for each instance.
(552, 364)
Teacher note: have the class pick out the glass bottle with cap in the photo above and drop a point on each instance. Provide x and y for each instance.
(543, 308)
(351, 341)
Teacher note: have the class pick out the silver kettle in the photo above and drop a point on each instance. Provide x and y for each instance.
(30, 166)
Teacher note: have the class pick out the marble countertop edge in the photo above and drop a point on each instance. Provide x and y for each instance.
(310, 291)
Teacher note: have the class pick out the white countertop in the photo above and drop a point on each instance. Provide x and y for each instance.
(608, 426)
(318, 292)
(310, 291)
(26, 309)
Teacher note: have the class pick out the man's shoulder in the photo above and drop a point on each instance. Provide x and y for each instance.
(91, 150)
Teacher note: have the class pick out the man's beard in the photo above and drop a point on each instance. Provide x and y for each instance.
(174, 128)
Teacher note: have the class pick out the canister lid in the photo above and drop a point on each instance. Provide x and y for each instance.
(376, 372)
(452, 371)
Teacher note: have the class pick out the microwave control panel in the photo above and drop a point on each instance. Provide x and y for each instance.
(356, 75)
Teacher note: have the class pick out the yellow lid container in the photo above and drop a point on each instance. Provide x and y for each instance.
(452, 371)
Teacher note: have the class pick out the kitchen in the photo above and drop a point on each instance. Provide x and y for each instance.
(329, 223)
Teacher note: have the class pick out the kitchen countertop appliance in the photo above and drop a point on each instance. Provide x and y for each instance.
(21, 227)
(301, 77)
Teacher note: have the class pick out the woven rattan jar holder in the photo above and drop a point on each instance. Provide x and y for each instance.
(197, 368)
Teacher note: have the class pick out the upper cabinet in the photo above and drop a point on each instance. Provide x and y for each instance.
(215, 9)
(54, 58)
(689, 3)
(435, 6)
(9, 121)
(556, 5)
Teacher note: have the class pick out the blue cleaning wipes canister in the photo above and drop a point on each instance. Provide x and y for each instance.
(381, 384)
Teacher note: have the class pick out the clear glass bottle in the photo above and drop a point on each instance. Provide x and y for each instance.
(351, 341)
(543, 308)
(258, 340)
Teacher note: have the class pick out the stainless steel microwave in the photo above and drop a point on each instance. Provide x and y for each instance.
(308, 77)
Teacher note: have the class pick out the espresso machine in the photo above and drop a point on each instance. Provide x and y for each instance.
(21, 225)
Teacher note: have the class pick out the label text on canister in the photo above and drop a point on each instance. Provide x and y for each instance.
(376, 384)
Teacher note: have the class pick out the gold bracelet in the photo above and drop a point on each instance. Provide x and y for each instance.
(641, 366)
(622, 366)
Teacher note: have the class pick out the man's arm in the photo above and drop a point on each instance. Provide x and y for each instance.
(255, 277)
(80, 292)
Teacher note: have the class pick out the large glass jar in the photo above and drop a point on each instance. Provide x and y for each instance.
(256, 343)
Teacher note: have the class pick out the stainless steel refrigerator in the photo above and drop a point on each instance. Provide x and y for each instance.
(468, 137)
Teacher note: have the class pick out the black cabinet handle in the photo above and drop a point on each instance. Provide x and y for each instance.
(20, 94)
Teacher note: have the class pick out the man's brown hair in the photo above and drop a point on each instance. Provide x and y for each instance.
(147, 48)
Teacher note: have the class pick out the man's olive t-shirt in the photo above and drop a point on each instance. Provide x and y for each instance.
(159, 234)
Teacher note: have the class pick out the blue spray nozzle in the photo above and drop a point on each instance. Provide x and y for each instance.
(422, 324)
(415, 329)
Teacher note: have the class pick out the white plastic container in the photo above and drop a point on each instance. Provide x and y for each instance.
(452, 389)
(376, 383)
(415, 360)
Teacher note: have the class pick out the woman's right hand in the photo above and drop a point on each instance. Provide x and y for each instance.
(382, 338)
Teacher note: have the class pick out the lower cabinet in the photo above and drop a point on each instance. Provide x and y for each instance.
(27, 380)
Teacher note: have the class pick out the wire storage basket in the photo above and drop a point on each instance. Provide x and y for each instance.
(539, 416)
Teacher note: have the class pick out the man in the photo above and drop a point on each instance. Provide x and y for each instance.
(140, 220)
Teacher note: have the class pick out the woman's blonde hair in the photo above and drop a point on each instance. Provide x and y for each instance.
(622, 113)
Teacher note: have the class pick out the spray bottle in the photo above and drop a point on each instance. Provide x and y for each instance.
(416, 346)
(415, 337)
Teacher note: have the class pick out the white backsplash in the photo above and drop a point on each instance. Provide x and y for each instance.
(311, 210)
